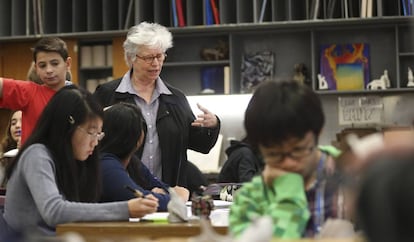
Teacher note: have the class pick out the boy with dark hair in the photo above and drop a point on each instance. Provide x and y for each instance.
(284, 120)
(52, 62)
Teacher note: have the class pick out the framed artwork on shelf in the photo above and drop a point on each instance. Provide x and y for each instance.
(345, 66)
(256, 68)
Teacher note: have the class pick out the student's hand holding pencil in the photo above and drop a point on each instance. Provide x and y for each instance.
(139, 207)
(139, 194)
(142, 205)
(151, 197)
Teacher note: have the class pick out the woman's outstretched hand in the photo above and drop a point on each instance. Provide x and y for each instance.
(206, 119)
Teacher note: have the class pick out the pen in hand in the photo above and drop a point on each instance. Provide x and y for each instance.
(141, 205)
(137, 193)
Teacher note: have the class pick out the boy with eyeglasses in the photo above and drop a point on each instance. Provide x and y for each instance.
(296, 188)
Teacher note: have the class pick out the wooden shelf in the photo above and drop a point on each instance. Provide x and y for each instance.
(287, 29)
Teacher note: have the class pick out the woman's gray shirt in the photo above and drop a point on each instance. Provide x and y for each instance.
(34, 202)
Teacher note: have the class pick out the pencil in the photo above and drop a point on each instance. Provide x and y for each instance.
(137, 193)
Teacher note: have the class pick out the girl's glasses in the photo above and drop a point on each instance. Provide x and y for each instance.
(98, 136)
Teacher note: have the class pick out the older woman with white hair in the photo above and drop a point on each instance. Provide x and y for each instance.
(171, 126)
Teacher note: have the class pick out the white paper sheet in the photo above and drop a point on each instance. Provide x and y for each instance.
(155, 217)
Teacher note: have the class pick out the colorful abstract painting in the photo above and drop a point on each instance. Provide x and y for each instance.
(345, 66)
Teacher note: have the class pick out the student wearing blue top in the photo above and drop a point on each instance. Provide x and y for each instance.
(124, 134)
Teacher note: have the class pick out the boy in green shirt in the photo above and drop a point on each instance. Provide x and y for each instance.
(285, 119)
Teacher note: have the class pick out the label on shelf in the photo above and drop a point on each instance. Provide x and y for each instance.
(360, 110)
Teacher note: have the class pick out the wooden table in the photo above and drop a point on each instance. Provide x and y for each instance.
(154, 232)
(93, 231)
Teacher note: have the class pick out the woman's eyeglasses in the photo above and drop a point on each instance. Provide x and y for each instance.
(98, 136)
(149, 59)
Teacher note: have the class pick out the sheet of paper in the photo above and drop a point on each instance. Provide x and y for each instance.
(154, 217)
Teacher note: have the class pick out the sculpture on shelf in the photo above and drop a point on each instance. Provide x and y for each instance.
(380, 84)
(410, 78)
(219, 52)
(386, 79)
(301, 74)
(323, 84)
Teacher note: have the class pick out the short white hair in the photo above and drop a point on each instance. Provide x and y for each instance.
(146, 34)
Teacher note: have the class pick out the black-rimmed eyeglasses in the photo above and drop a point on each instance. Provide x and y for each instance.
(296, 154)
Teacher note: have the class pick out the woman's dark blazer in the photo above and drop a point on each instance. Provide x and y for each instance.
(175, 132)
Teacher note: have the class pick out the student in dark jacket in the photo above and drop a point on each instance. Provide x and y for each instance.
(242, 164)
(172, 128)
(124, 134)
